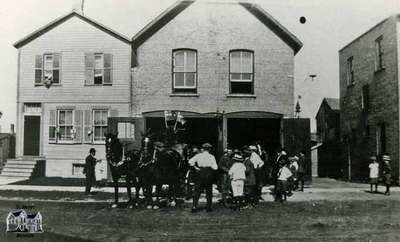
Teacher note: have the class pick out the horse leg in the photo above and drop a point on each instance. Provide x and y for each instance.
(115, 180)
(128, 188)
(158, 192)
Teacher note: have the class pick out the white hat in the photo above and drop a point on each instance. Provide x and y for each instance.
(252, 147)
(283, 152)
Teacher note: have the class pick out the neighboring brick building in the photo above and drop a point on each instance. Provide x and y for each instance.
(227, 67)
(369, 94)
(328, 133)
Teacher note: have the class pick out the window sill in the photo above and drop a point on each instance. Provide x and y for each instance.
(98, 85)
(41, 84)
(184, 95)
(241, 95)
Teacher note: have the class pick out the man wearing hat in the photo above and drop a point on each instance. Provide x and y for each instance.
(89, 170)
(373, 173)
(250, 182)
(387, 173)
(205, 165)
(225, 163)
(258, 164)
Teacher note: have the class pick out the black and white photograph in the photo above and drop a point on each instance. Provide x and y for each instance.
(199, 120)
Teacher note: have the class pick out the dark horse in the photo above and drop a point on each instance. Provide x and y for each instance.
(121, 165)
(159, 166)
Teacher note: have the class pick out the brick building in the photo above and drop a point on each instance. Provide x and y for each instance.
(328, 133)
(369, 98)
(227, 67)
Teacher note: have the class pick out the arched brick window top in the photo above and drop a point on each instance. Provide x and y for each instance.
(184, 71)
(241, 71)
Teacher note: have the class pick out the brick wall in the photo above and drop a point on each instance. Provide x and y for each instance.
(383, 97)
(213, 29)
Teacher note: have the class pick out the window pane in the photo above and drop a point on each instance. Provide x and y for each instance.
(247, 62)
(246, 76)
(48, 75)
(56, 61)
(38, 75)
(107, 76)
(98, 61)
(48, 62)
(62, 131)
(104, 117)
(190, 61)
(235, 62)
(235, 76)
(97, 118)
(178, 59)
(97, 132)
(190, 79)
(61, 117)
(98, 80)
(179, 79)
(68, 117)
(56, 76)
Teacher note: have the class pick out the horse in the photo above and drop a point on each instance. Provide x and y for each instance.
(158, 166)
(122, 166)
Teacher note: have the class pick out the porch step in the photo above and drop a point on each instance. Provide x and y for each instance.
(21, 167)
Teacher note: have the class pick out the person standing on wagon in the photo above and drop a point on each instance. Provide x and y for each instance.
(89, 170)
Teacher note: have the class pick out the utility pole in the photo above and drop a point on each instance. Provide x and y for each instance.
(82, 6)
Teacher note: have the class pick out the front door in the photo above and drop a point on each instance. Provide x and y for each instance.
(31, 135)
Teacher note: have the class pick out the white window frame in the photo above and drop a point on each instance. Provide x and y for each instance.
(99, 69)
(241, 66)
(50, 69)
(58, 136)
(102, 141)
(185, 53)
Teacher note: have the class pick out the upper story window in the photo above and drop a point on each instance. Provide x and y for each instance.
(241, 72)
(184, 71)
(47, 68)
(98, 69)
(379, 65)
(365, 97)
(350, 71)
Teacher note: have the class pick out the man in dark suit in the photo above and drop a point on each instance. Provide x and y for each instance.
(89, 170)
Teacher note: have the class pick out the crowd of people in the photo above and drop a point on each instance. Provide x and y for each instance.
(242, 175)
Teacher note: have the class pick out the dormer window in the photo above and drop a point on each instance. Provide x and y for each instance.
(241, 72)
(184, 71)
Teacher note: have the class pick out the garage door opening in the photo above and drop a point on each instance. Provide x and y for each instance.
(243, 131)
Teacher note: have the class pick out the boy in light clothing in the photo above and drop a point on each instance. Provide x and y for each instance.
(238, 176)
(374, 173)
(284, 174)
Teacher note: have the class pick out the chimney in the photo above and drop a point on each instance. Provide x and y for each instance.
(12, 129)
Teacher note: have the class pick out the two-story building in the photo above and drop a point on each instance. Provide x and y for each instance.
(328, 134)
(226, 67)
(369, 98)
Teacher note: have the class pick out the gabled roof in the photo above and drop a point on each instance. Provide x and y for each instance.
(61, 20)
(334, 103)
(165, 17)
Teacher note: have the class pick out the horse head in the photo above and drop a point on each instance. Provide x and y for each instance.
(113, 148)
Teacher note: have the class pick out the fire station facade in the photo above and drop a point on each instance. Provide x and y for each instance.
(226, 67)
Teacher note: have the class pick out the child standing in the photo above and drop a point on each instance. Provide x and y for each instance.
(373, 173)
(284, 174)
(237, 173)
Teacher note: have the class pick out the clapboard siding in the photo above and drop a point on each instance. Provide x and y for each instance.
(72, 40)
(213, 29)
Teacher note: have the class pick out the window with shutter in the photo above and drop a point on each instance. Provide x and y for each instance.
(38, 69)
(98, 69)
(241, 72)
(87, 127)
(78, 126)
(184, 70)
(53, 126)
(65, 126)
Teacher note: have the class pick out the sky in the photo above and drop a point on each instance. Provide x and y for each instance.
(330, 25)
